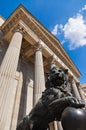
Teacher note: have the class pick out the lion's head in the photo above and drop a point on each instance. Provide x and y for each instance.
(57, 76)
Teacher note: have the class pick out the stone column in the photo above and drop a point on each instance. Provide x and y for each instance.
(55, 125)
(51, 126)
(74, 87)
(81, 93)
(8, 84)
(39, 84)
(59, 126)
(17, 102)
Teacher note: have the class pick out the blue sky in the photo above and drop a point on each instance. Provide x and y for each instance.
(66, 19)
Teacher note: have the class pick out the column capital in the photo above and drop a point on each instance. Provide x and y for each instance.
(18, 28)
(38, 46)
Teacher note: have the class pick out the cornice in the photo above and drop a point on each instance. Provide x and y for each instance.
(12, 21)
(2, 17)
(22, 14)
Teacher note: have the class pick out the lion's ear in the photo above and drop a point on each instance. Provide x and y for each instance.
(66, 71)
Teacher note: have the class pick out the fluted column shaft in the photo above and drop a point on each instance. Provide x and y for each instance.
(59, 125)
(8, 84)
(81, 93)
(76, 92)
(39, 85)
(75, 89)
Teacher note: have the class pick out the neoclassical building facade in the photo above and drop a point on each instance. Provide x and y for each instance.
(27, 49)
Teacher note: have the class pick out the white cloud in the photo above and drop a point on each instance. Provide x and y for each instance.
(61, 27)
(57, 29)
(83, 9)
(74, 30)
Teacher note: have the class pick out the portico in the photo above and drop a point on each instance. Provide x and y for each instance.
(26, 60)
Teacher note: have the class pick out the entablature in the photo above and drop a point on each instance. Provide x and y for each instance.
(33, 32)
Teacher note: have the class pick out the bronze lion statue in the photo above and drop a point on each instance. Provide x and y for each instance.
(56, 97)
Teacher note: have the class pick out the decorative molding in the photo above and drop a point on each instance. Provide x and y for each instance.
(12, 21)
(41, 32)
(18, 28)
(38, 46)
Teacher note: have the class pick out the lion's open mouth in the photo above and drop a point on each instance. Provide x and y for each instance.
(57, 79)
